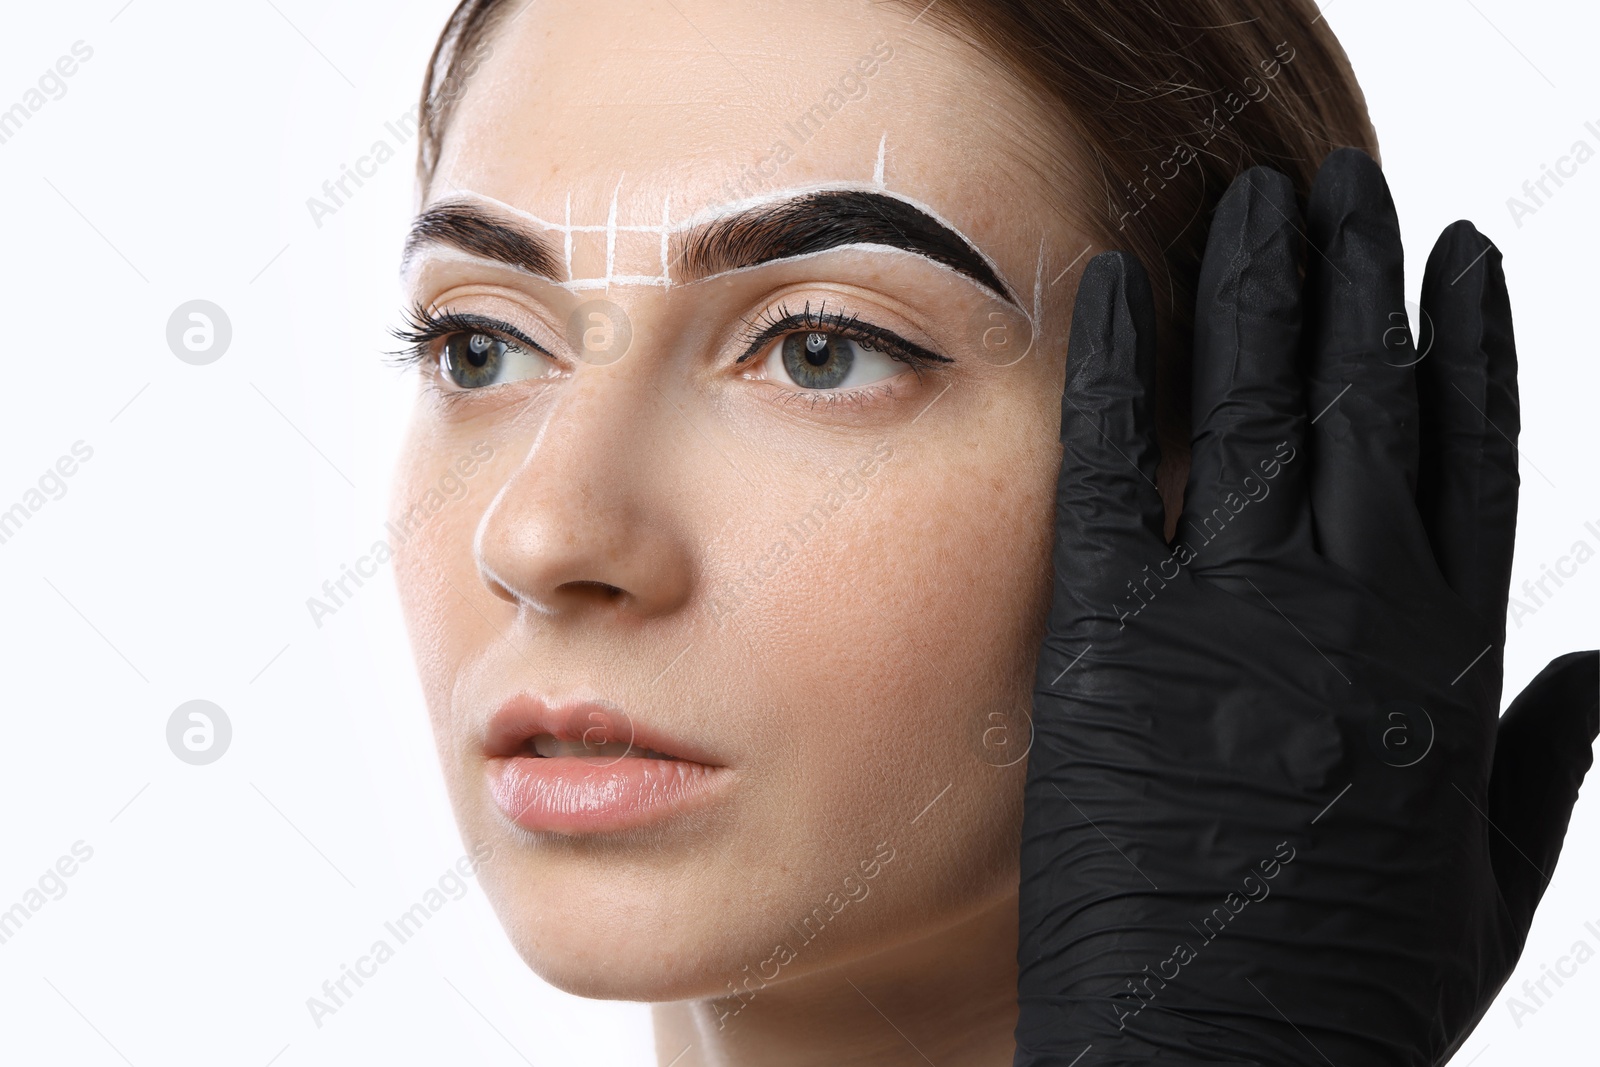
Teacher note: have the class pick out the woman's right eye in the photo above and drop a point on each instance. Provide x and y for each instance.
(475, 360)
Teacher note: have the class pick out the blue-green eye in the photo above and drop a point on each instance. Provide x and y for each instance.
(471, 351)
(825, 350)
(476, 360)
(818, 359)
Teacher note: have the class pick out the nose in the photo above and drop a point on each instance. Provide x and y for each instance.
(585, 524)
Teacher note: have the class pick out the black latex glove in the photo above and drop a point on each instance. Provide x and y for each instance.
(1271, 816)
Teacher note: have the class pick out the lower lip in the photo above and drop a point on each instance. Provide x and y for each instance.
(592, 794)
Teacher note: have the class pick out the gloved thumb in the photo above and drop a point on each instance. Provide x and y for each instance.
(1543, 749)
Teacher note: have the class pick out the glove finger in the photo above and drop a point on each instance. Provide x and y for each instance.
(1245, 498)
(1543, 749)
(1469, 422)
(1362, 389)
(1108, 512)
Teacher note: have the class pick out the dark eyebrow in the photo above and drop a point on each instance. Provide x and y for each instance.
(805, 224)
(470, 228)
(816, 222)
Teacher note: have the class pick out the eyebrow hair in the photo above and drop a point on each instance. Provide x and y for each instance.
(466, 226)
(801, 225)
(816, 222)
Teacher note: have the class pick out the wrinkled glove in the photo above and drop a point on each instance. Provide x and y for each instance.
(1272, 816)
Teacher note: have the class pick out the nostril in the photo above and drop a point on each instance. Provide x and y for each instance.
(608, 592)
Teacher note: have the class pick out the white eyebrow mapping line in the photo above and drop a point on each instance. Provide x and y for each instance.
(1038, 287)
(445, 253)
(450, 254)
(611, 235)
(712, 214)
(665, 229)
(666, 215)
(567, 234)
(854, 246)
(455, 255)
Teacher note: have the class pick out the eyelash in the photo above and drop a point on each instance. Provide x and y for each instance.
(775, 323)
(425, 327)
(780, 321)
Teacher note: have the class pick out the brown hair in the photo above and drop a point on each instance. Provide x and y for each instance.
(1168, 99)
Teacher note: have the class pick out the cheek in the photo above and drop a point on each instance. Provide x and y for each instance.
(947, 565)
(897, 649)
(930, 579)
(431, 532)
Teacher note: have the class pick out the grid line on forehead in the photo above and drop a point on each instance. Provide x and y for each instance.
(726, 238)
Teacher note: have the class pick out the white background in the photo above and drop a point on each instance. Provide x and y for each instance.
(177, 565)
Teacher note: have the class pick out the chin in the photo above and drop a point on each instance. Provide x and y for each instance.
(602, 946)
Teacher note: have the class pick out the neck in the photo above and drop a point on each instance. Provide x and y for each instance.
(948, 998)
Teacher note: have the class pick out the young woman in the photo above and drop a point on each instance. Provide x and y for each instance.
(744, 327)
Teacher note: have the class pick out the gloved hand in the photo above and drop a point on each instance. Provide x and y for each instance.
(1271, 816)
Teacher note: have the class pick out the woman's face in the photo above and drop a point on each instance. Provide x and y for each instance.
(750, 462)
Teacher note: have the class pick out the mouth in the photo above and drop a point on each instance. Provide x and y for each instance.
(548, 746)
(587, 767)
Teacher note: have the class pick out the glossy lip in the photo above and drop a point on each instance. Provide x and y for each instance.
(526, 716)
(590, 794)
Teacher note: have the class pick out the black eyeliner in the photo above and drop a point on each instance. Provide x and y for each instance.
(424, 327)
(851, 326)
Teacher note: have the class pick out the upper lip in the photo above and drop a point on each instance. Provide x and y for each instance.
(526, 716)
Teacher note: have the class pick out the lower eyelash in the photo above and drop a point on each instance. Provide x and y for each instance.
(831, 399)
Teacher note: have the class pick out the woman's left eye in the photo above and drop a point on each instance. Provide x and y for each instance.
(818, 359)
(477, 360)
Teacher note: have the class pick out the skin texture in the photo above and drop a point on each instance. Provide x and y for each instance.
(861, 692)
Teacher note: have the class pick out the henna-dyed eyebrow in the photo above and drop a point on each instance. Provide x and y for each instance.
(816, 222)
(801, 225)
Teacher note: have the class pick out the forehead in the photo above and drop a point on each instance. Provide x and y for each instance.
(669, 110)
